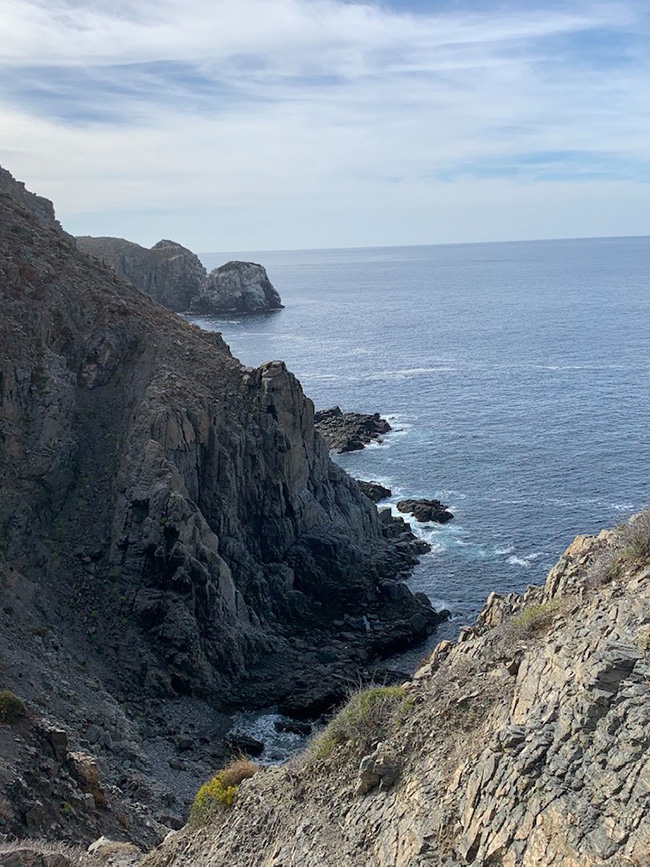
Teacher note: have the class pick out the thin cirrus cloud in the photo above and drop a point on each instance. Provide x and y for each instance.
(243, 124)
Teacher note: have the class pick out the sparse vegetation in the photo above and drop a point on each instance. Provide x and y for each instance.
(537, 618)
(220, 792)
(12, 709)
(369, 717)
(635, 538)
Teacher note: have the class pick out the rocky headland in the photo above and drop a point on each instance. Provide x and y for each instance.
(176, 278)
(175, 543)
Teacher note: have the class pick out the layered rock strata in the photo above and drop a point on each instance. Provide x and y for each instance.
(173, 535)
(525, 743)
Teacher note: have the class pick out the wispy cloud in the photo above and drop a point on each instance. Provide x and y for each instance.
(253, 123)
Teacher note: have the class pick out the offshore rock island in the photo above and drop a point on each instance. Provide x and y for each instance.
(176, 544)
(176, 278)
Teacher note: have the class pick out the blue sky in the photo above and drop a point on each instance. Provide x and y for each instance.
(277, 124)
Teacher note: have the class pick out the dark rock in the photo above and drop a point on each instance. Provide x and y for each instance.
(374, 491)
(314, 704)
(292, 726)
(426, 510)
(349, 431)
(239, 742)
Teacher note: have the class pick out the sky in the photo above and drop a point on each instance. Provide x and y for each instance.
(291, 124)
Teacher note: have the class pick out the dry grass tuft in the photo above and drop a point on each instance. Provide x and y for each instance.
(220, 792)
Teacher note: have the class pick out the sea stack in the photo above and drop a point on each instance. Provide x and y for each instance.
(237, 287)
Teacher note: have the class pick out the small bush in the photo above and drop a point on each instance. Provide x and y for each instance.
(369, 717)
(220, 792)
(536, 618)
(12, 709)
(635, 538)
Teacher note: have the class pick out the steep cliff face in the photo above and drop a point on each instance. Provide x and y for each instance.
(524, 744)
(237, 287)
(170, 524)
(169, 272)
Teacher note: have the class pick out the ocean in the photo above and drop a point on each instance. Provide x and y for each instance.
(515, 376)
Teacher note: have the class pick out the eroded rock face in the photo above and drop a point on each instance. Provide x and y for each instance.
(526, 744)
(173, 531)
(170, 273)
(236, 287)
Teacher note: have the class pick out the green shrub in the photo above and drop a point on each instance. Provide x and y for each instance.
(536, 618)
(220, 792)
(369, 717)
(12, 709)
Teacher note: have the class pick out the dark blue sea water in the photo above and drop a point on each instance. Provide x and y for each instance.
(515, 374)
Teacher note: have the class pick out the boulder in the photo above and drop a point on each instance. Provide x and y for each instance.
(349, 431)
(374, 491)
(426, 510)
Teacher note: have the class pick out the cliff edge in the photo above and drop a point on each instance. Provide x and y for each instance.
(174, 542)
(523, 744)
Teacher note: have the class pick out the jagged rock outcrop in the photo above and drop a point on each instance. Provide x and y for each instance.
(236, 287)
(524, 744)
(374, 491)
(169, 272)
(43, 208)
(426, 510)
(349, 431)
(173, 535)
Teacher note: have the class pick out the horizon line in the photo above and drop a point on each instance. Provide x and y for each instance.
(434, 244)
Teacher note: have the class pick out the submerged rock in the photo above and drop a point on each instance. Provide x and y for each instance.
(236, 287)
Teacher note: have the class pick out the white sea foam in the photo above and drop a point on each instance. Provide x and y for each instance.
(405, 373)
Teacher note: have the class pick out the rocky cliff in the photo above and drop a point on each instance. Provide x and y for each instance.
(175, 277)
(524, 744)
(237, 287)
(169, 272)
(174, 539)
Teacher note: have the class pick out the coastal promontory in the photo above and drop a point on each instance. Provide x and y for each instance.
(175, 544)
(170, 273)
(176, 278)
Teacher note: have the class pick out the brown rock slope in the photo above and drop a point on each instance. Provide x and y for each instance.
(526, 743)
(171, 527)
